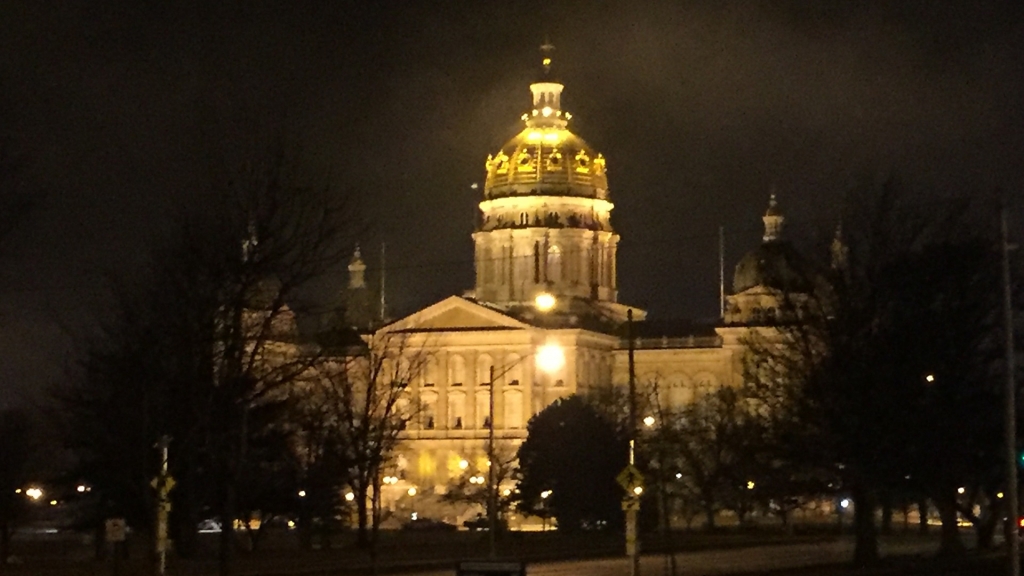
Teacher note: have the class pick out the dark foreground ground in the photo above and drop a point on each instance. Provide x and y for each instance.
(768, 553)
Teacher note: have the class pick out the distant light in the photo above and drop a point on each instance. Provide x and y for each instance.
(638, 490)
(649, 421)
(550, 358)
(750, 485)
(960, 490)
(412, 491)
(679, 475)
(302, 493)
(547, 61)
(474, 185)
(291, 523)
(546, 111)
(17, 491)
(414, 516)
(929, 378)
(350, 497)
(34, 493)
(999, 495)
(506, 492)
(463, 464)
(545, 301)
(551, 137)
(568, 116)
(533, 136)
(53, 502)
(844, 503)
(1020, 522)
(81, 488)
(545, 494)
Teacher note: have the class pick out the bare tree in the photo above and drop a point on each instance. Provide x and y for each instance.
(362, 398)
(471, 487)
(205, 339)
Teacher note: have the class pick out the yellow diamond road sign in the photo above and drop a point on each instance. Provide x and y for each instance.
(630, 478)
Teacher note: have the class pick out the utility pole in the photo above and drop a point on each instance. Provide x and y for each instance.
(492, 504)
(1010, 414)
(163, 485)
(631, 503)
(721, 272)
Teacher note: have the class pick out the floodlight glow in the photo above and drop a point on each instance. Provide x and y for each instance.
(545, 301)
(550, 358)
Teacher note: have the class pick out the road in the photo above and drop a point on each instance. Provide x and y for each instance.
(719, 562)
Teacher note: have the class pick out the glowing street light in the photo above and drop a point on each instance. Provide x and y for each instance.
(350, 497)
(545, 302)
(544, 495)
(649, 421)
(412, 491)
(302, 493)
(550, 358)
(34, 493)
(929, 378)
(463, 464)
(638, 490)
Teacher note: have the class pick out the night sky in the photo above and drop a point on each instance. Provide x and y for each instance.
(701, 108)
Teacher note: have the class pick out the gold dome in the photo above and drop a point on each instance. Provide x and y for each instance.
(548, 161)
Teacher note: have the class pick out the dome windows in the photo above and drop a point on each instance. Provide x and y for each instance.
(582, 162)
(555, 160)
(525, 161)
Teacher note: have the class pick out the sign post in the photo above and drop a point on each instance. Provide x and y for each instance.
(632, 481)
(115, 531)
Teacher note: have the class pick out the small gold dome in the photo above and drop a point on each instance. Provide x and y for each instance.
(546, 160)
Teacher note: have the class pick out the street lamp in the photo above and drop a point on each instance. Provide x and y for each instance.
(544, 302)
(549, 358)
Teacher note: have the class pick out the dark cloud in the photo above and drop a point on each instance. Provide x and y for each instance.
(699, 107)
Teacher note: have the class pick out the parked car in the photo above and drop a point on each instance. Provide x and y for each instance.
(429, 525)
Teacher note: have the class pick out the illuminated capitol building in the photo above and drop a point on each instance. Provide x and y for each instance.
(544, 316)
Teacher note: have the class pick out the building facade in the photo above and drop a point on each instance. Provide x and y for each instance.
(545, 227)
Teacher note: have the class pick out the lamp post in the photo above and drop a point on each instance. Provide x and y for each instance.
(632, 541)
(549, 358)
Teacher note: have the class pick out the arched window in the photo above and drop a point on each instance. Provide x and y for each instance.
(514, 374)
(431, 371)
(456, 410)
(483, 409)
(513, 409)
(554, 264)
(428, 410)
(456, 370)
(483, 369)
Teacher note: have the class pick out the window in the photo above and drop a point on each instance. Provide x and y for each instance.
(483, 409)
(456, 409)
(513, 409)
(456, 370)
(554, 264)
(483, 369)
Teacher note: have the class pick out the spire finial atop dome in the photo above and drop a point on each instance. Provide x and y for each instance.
(546, 49)
(547, 96)
(773, 219)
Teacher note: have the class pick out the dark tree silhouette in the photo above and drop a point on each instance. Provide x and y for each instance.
(575, 453)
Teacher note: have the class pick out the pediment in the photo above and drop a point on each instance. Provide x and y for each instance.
(456, 314)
